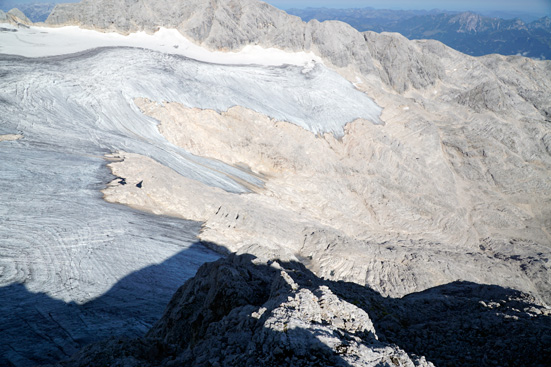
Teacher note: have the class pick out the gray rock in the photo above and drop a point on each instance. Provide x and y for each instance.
(223, 25)
(403, 64)
(484, 96)
(19, 16)
(242, 311)
(16, 17)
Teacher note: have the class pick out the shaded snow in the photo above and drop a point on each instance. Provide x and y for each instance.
(59, 239)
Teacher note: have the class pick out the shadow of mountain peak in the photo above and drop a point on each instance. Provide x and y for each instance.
(243, 310)
(36, 329)
(246, 311)
(465, 324)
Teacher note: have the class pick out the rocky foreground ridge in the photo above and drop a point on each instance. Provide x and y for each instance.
(454, 186)
(272, 311)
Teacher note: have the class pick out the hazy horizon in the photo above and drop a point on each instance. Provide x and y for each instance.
(535, 7)
(542, 7)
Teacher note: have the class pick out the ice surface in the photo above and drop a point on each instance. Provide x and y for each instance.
(45, 41)
(72, 266)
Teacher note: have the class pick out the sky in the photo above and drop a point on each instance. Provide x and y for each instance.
(541, 7)
(531, 6)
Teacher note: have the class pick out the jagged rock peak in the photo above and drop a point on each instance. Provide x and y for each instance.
(544, 22)
(15, 16)
(269, 311)
(246, 311)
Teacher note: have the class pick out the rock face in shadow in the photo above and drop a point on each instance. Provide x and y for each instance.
(461, 324)
(244, 311)
(466, 324)
(247, 311)
(37, 328)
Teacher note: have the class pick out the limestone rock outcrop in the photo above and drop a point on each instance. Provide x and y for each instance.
(245, 311)
(337, 197)
(459, 171)
(15, 17)
(271, 311)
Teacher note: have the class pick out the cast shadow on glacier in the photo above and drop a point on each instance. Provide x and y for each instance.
(36, 329)
(224, 316)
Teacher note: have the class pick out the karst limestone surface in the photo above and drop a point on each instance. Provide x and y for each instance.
(69, 257)
(459, 170)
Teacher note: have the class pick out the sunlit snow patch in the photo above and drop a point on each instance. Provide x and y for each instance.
(325, 103)
(47, 41)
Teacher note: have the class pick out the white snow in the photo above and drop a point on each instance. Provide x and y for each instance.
(71, 265)
(48, 41)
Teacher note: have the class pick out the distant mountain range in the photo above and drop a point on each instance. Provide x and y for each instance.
(470, 33)
(467, 32)
(35, 12)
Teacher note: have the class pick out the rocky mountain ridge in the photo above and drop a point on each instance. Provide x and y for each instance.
(271, 311)
(230, 25)
(475, 125)
(468, 32)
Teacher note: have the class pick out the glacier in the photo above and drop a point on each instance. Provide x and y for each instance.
(64, 251)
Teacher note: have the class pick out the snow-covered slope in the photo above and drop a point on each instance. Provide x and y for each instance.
(60, 238)
(37, 41)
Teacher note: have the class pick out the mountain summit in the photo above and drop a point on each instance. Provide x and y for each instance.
(466, 32)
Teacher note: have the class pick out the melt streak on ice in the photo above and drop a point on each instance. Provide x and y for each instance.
(58, 239)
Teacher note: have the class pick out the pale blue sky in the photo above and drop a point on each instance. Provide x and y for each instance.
(542, 7)
(532, 6)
